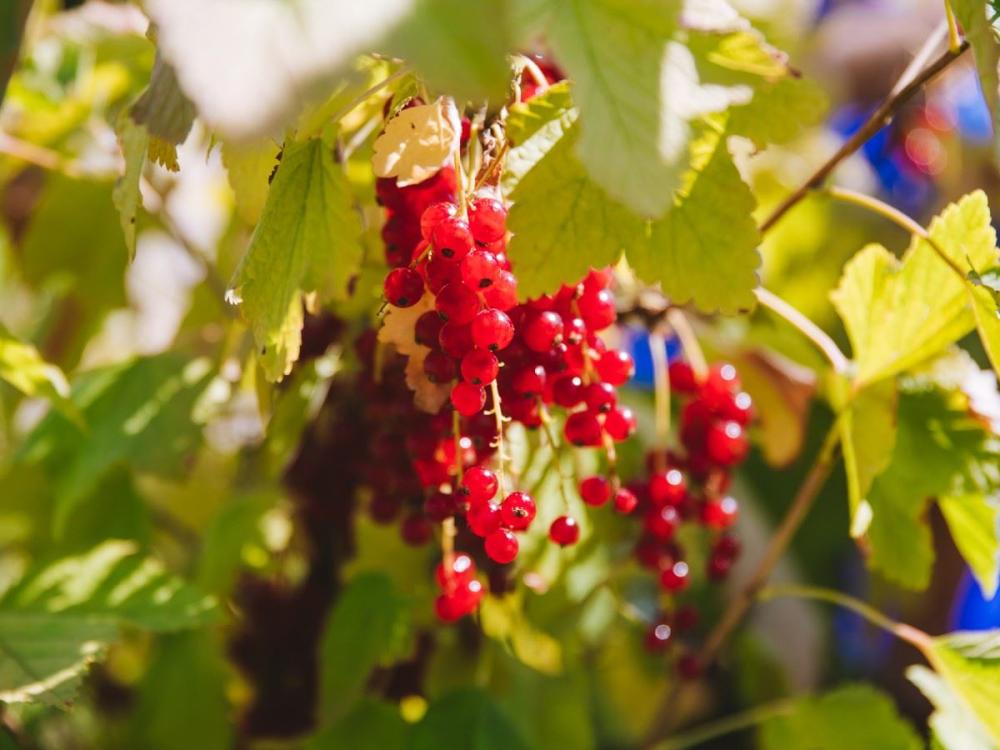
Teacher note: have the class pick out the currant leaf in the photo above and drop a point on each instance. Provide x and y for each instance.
(973, 521)
(954, 725)
(134, 141)
(970, 664)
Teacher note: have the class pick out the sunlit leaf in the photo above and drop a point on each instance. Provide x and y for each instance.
(970, 664)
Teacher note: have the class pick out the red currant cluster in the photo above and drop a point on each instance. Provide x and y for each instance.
(461, 591)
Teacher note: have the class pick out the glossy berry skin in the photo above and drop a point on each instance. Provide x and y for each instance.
(483, 518)
(456, 303)
(452, 238)
(595, 491)
(453, 605)
(620, 423)
(658, 637)
(440, 506)
(488, 220)
(738, 408)
(625, 500)
(564, 531)
(597, 309)
(439, 367)
(403, 287)
(503, 294)
(568, 391)
(600, 397)
(492, 329)
(726, 444)
(433, 215)
(439, 273)
(455, 339)
(615, 367)
(480, 367)
(719, 514)
(479, 270)
(542, 331)
(480, 483)
(462, 570)
(675, 577)
(501, 546)
(662, 522)
(583, 429)
(682, 379)
(719, 386)
(517, 511)
(667, 488)
(427, 329)
(528, 380)
(468, 399)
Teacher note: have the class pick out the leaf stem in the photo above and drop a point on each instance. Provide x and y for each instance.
(689, 342)
(954, 37)
(556, 453)
(908, 84)
(899, 219)
(727, 725)
(806, 327)
(500, 419)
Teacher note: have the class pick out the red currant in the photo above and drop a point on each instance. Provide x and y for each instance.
(620, 423)
(615, 366)
(479, 269)
(667, 488)
(542, 331)
(488, 219)
(455, 339)
(462, 570)
(600, 397)
(480, 367)
(468, 399)
(726, 444)
(719, 514)
(568, 391)
(452, 238)
(439, 367)
(597, 309)
(595, 490)
(528, 380)
(433, 215)
(483, 518)
(583, 429)
(675, 577)
(564, 531)
(403, 287)
(662, 522)
(658, 636)
(457, 303)
(427, 328)
(517, 511)
(416, 530)
(480, 483)
(501, 546)
(503, 294)
(492, 329)
(625, 500)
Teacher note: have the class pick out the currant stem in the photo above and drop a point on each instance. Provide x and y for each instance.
(556, 453)
(536, 73)
(460, 182)
(689, 342)
(727, 725)
(661, 384)
(500, 419)
(900, 219)
(806, 327)
(456, 429)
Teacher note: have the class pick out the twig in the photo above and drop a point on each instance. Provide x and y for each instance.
(500, 419)
(727, 725)
(556, 453)
(906, 87)
(689, 342)
(806, 327)
(900, 219)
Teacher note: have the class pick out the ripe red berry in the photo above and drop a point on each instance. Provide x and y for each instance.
(568, 391)
(439, 273)
(583, 429)
(726, 546)
(685, 618)
(675, 577)
(416, 529)
(455, 339)
(452, 238)
(501, 546)
(658, 636)
(564, 531)
(718, 567)
(483, 518)
(620, 423)
(595, 490)
(433, 215)
(625, 500)
(453, 605)
(468, 399)
(597, 309)
(492, 329)
(457, 303)
(574, 330)
(738, 408)
(667, 488)
(682, 379)
(615, 366)
(480, 367)
(488, 219)
(600, 397)
(726, 444)
(719, 514)
(440, 506)
(542, 331)
(720, 384)
(427, 328)
(403, 287)
(517, 511)
(479, 269)
(439, 367)
(662, 522)
(480, 483)
(462, 570)
(503, 294)
(528, 380)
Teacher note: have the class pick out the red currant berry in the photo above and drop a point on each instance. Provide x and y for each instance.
(718, 567)
(615, 366)
(583, 429)
(719, 514)
(427, 328)
(483, 518)
(416, 530)
(439, 367)
(564, 531)
(689, 667)
(667, 488)
(598, 279)
(595, 490)
(568, 391)
(455, 339)
(488, 219)
(597, 309)
(403, 287)
(440, 273)
(479, 269)
(433, 215)
(542, 331)
(722, 382)
(658, 636)
(662, 522)
(528, 380)
(574, 331)
(462, 570)
(675, 577)
(682, 379)
(480, 367)
(600, 397)
(448, 608)
(452, 238)
(501, 546)
(468, 399)
(492, 329)
(738, 408)
(480, 483)
(517, 511)
(726, 444)
(440, 506)
(457, 303)
(503, 294)
(726, 546)
(620, 423)
(625, 500)
(685, 618)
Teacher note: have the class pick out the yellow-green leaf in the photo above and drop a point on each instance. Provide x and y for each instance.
(974, 523)
(23, 367)
(533, 127)
(249, 166)
(970, 663)
(984, 307)
(134, 140)
(306, 243)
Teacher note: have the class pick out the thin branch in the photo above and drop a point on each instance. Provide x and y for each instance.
(689, 342)
(806, 327)
(900, 219)
(906, 87)
(367, 94)
(954, 38)
(727, 725)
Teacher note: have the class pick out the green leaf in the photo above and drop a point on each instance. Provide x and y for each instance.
(705, 249)
(164, 112)
(505, 620)
(941, 451)
(779, 111)
(954, 725)
(974, 523)
(134, 140)
(367, 626)
(465, 720)
(249, 167)
(534, 127)
(856, 717)
(868, 435)
(184, 687)
(898, 314)
(970, 664)
(307, 242)
(236, 525)
(984, 307)
(564, 224)
(973, 15)
(371, 725)
(457, 46)
(23, 367)
(138, 413)
(58, 618)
